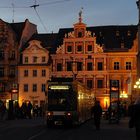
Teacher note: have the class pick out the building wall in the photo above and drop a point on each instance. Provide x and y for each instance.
(8, 60)
(80, 46)
(33, 50)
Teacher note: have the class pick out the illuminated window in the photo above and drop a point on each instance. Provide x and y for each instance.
(59, 67)
(128, 65)
(116, 66)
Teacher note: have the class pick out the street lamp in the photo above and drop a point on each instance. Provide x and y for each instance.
(137, 85)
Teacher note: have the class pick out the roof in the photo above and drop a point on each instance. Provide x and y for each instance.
(110, 37)
(47, 41)
(106, 35)
(18, 28)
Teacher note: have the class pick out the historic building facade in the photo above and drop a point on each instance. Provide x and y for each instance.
(96, 55)
(12, 37)
(92, 55)
(34, 71)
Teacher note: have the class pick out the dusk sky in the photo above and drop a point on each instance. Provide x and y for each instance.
(54, 14)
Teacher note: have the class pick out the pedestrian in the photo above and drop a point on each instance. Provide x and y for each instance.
(29, 108)
(135, 117)
(97, 113)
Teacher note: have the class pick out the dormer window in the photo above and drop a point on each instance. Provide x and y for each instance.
(79, 34)
(117, 33)
(129, 33)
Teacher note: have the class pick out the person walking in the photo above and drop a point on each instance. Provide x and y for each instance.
(97, 113)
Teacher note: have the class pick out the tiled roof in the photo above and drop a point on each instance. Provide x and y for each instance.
(18, 28)
(110, 37)
(107, 36)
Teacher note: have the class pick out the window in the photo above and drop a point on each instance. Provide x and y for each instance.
(89, 83)
(26, 60)
(34, 73)
(79, 48)
(34, 87)
(35, 59)
(12, 72)
(89, 66)
(128, 65)
(69, 49)
(43, 59)
(116, 65)
(43, 88)
(69, 66)
(99, 83)
(1, 72)
(43, 73)
(1, 54)
(25, 87)
(59, 67)
(79, 66)
(79, 34)
(12, 55)
(25, 73)
(89, 47)
(100, 66)
(2, 87)
(89, 57)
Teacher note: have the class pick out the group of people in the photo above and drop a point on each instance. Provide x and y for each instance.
(133, 113)
(25, 111)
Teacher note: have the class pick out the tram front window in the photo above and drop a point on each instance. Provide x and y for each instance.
(60, 100)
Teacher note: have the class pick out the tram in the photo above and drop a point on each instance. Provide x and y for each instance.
(69, 102)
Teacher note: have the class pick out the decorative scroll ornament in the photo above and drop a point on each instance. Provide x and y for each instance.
(98, 49)
(60, 50)
(88, 34)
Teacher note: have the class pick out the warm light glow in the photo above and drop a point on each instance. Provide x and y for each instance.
(106, 102)
(123, 95)
(137, 83)
(135, 86)
(59, 87)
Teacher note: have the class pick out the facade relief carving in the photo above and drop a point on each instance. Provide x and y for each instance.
(98, 49)
(60, 49)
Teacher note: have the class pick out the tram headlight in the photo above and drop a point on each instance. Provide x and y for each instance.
(49, 113)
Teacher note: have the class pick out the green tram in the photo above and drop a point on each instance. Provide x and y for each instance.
(68, 102)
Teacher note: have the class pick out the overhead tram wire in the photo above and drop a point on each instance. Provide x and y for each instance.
(34, 7)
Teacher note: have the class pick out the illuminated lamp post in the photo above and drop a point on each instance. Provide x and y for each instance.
(137, 87)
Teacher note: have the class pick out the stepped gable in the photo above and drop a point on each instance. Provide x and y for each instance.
(110, 37)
